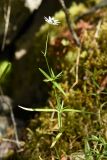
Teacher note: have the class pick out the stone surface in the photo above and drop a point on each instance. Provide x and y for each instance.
(32, 4)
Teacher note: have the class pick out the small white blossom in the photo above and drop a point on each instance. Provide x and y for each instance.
(51, 20)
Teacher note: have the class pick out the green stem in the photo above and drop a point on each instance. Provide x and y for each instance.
(48, 65)
(59, 120)
(46, 53)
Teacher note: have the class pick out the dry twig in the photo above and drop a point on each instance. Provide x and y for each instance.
(76, 68)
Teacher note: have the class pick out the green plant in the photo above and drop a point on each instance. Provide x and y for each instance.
(50, 77)
(95, 148)
(5, 67)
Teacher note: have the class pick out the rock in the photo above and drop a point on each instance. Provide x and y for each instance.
(5, 104)
(32, 4)
(6, 150)
(9, 126)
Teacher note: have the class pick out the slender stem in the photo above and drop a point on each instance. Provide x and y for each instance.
(69, 22)
(59, 114)
(13, 141)
(45, 54)
(48, 65)
(59, 120)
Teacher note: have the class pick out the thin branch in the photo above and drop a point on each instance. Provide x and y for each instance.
(93, 9)
(69, 22)
(21, 143)
(6, 18)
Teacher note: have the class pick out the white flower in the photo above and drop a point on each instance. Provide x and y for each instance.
(51, 20)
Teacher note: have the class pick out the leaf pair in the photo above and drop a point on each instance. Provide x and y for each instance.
(52, 78)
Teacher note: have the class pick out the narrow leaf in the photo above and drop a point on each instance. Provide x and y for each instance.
(52, 74)
(45, 74)
(4, 69)
(59, 75)
(75, 110)
(38, 109)
(59, 87)
(56, 139)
